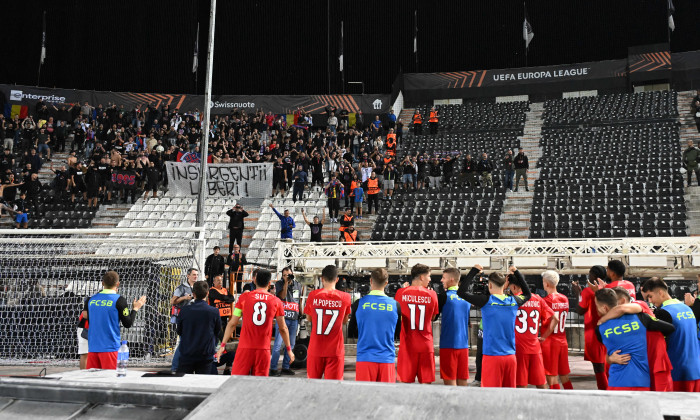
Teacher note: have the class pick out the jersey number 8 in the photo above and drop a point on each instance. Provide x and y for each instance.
(259, 313)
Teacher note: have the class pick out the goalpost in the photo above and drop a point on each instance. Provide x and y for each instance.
(46, 275)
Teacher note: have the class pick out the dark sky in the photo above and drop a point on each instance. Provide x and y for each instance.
(282, 47)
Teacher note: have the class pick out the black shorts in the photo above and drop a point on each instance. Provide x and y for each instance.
(92, 191)
(279, 183)
(152, 186)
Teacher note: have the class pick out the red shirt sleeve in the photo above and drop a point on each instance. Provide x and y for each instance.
(240, 303)
(547, 313)
(307, 307)
(280, 308)
(587, 297)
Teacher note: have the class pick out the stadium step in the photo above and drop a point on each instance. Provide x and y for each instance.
(515, 218)
(689, 131)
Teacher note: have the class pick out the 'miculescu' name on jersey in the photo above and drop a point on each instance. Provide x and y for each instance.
(416, 299)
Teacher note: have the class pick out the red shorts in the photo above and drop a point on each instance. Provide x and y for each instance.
(422, 365)
(555, 357)
(627, 388)
(255, 362)
(326, 367)
(102, 360)
(498, 371)
(375, 372)
(454, 364)
(594, 350)
(661, 381)
(684, 386)
(530, 370)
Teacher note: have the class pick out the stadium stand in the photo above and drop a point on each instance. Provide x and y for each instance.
(616, 176)
(479, 115)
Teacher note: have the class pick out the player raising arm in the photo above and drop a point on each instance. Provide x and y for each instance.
(498, 313)
(257, 309)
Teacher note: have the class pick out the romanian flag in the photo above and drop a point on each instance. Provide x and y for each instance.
(12, 110)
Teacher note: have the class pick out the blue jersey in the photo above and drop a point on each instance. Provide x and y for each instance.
(629, 335)
(498, 317)
(682, 345)
(454, 329)
(377, 315)
(104, 334)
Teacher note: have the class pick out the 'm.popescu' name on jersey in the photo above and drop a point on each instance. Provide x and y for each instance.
(527, 325)
(418, 307)
(327, 309)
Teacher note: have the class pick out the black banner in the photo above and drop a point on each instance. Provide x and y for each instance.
(124, 179)
(220, 104)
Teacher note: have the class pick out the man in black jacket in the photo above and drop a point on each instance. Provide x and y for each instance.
(469, 172)
(235, 263)
(521, 167)
(214, 266)
(484, 168)
(236, 225)
(198, 326)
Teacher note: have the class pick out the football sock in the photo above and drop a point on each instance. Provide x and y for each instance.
(568, 385)
(602, 380)
(555, 386)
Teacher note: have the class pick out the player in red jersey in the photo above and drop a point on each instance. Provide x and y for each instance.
(419, 307)
(659, 363)
(594, 350)
(257, 309)
(528, 351)
(327, 309)
(555, 349)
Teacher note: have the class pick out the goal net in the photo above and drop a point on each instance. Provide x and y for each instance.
(45, 277)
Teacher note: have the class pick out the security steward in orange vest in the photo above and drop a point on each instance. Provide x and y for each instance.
(417, 123)
(346, 221)
(433, 121)
(391, 143)
(372, 187)
(221, 299)
(350, 236)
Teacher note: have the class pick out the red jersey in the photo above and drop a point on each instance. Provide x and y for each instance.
(418, 307)
(626, 285)
(591, 317)
(527, 325)
(560, 306)
(257, 309)
(327, 309)
(656, 346)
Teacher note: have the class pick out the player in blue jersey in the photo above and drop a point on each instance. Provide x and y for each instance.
(498, 312)
(104, 311)
(454, 331)
(376, 317)
(627, 335)
(683, 345)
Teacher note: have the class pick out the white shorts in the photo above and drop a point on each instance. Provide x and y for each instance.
(82, 343)
(389, 184)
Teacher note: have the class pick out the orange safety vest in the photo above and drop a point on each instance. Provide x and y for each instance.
(345, 219)
(391, 144)
(372, 186)
(433, 116)
(223, 307)
(417, 119)
(350, 238)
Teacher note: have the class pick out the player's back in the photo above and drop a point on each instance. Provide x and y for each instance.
(418, 307)
(327, 310)
(625, 285)
(498, 319)
(454, 326)
(258, 310)
(683, 344)
(627, 334)
(527, 325)
(560, 307)
(377, 316)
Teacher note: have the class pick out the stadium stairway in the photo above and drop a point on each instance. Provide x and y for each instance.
(406, 117)
(689, 131)
(515, 218)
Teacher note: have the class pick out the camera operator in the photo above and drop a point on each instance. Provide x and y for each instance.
(289, 291)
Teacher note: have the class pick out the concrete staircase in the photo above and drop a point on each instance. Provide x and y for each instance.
(515, 219)
(689, 131)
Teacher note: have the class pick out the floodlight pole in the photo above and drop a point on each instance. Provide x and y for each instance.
(204, 143)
